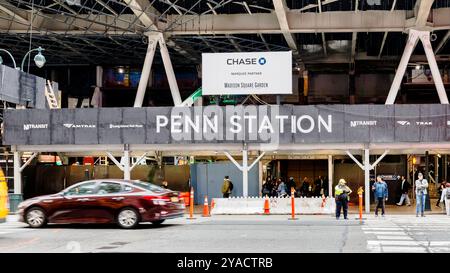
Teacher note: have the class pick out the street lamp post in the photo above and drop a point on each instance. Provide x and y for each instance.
(39, 59)
(10, 55)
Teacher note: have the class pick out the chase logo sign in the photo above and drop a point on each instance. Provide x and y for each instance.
(262, 61)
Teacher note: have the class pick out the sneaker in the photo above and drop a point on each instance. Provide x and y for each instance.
(382, 215)
(376, 215)
(398, 204)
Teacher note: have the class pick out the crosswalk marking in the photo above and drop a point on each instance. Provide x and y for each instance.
(383, 237)
(407, 234)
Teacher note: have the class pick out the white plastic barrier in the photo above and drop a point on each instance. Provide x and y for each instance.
(255, 205)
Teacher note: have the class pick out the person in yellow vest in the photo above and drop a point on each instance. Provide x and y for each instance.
(341, 194)
(3, 197)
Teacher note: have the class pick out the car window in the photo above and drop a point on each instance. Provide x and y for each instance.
(149, 186)
(109, 187)
(83, 189)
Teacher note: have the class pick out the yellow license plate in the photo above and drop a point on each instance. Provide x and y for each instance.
(174, 199)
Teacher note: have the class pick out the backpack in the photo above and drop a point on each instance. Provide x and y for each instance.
(224, 187)
(231, 186)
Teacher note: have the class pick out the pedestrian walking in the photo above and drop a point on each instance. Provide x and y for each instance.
(441, 188)
(445, 197)
(380, 190)
(404, 190)
(341, 193)
(421, 194)
(227, 187)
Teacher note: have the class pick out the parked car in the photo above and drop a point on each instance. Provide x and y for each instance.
(124, 202)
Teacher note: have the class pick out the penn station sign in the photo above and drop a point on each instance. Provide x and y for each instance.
(247, 73)
(268, 124)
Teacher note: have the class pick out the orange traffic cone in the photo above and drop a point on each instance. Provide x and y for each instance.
(206, 208)
(212, 203)
(266, 206)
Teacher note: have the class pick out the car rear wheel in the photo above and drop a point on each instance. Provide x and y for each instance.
(128, 218)
(157, 223)
(35, 218)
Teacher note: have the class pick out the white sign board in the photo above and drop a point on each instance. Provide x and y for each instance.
(247, 73)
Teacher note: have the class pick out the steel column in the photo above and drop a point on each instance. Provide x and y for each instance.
(143, 82)
(126, 164)
(411, 43)
(330, 175)
(169, 72)
(367, 167)
(425, 38)
(17, 173)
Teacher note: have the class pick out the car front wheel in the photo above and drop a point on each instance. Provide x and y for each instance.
(35, 218)
(128, 218)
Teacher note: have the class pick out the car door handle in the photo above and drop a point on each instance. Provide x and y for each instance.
(84, 199)
(118, 198)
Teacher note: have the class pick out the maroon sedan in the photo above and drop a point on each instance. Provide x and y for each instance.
(104, 201)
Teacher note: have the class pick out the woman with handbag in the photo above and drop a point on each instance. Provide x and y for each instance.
(341, 194)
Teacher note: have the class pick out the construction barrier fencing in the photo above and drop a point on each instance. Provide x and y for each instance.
(278, 205)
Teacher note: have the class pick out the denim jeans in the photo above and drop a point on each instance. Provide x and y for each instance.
(403, 198)
(420, 203)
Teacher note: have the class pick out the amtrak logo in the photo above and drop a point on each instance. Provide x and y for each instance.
(262, 61)
(404, 122)
(71, 125)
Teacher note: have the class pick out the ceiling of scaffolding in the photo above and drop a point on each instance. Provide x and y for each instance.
(317, 31)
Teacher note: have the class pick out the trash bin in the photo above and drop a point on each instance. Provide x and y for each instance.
(14, 200)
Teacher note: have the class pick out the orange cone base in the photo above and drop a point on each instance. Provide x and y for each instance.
(292, 218)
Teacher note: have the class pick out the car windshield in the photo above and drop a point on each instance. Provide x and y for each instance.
(149, 186)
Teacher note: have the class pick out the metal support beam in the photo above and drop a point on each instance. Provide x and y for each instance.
(386, 33)
(113, 159)
(256, 160)
(422, 11)
(138, 161)
(355, 160)
(126, 164)
(245, 172)
(14, 15)
(17, 174)
(411, 43)
(244, 168)
(367, 180)
(230, 157)
(143, 82)
(442, 42)
(379, 159)
(280, 11)
(425, 38)
(169, 72)
(330, 175)
(28, 162)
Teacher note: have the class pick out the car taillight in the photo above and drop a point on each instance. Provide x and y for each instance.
(157, 200)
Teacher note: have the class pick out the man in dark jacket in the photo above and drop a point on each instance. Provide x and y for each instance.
(318, 186)
(290, 184)
(404, 189)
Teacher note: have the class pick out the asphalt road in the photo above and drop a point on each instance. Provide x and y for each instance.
(253, 234)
